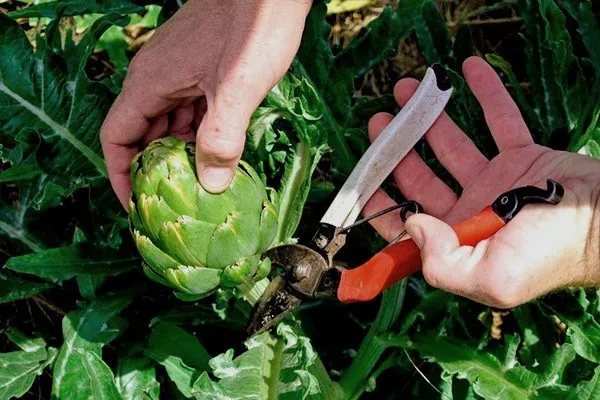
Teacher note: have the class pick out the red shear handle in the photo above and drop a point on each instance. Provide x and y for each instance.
(402, 259)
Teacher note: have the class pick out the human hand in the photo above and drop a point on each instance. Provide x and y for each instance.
(207, 69)
(542, 249)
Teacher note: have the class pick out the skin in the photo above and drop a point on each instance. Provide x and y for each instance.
(201, 76)
(206, 70)
(542, 249)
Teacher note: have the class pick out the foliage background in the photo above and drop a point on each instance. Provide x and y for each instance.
(70, 276)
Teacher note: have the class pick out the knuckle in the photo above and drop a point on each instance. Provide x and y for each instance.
(222, 149)
(139, 64)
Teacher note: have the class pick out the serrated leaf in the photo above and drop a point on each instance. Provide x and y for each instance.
(49, 94)
(589, 390)
(549, 62)
(273, 367)
(67, 262)
(488, 376)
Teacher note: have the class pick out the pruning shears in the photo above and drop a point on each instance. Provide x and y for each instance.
(309, 269)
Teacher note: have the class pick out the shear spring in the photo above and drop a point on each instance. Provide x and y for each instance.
(406, 207)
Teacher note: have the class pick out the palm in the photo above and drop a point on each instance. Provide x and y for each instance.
(528, 165)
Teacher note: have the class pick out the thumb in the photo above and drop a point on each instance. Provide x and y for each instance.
(220, 139)
(446, 264)
(435, 238)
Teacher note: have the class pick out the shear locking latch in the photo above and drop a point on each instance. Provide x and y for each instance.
(508, 205)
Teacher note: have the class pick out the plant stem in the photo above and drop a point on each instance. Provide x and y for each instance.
(329, 390)
(252, 292)
(372, 347)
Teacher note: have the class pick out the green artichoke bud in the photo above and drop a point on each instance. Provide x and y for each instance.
(192, 240)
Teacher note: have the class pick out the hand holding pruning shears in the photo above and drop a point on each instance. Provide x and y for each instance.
(542, 249)
(510, 240)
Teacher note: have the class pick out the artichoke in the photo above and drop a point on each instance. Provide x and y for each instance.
(192, 240)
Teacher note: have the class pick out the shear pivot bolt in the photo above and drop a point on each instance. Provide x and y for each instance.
(300, 272)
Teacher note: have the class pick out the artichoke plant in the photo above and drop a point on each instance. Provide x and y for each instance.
(192, 240)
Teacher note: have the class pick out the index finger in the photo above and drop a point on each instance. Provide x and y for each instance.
(127, 122)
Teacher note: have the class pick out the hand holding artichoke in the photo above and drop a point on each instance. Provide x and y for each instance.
(192, 240)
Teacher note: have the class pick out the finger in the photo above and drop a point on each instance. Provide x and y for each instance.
(222, 132)
(454, 150)
(158, 128)
(501, 113)
(418, 182)
(180, 122)
(127, 122)
(414, 178)
(472, 272)
(199, 111)
(389, 225)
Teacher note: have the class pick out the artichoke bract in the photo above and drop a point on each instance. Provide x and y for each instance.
(192, 240)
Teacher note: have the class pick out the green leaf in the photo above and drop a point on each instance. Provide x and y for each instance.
(13, 287)
(585, 338)
(24, 342)
(67, 262)
(589, 390)
(273, 367)
(587, 26)
(537, 332)
(354, 379)
(295, 188)
(181, 375)
(49, 95)
(24, 171)
(168, 340)
(18, 369)
(333, 75)
(549, 62)
(499, 62)
(136, 378)
(14, 220)
(489, 376)
(293, 100)
(433, 35)
(67, 8)
(181, 353)
(89, 284)
(88, 377)
(79, 371)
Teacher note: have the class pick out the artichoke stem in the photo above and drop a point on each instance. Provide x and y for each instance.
(251, 292)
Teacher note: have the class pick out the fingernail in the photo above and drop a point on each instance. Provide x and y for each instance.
(416, 234)
(215, 179)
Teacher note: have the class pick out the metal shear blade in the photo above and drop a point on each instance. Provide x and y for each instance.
(274, 304)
